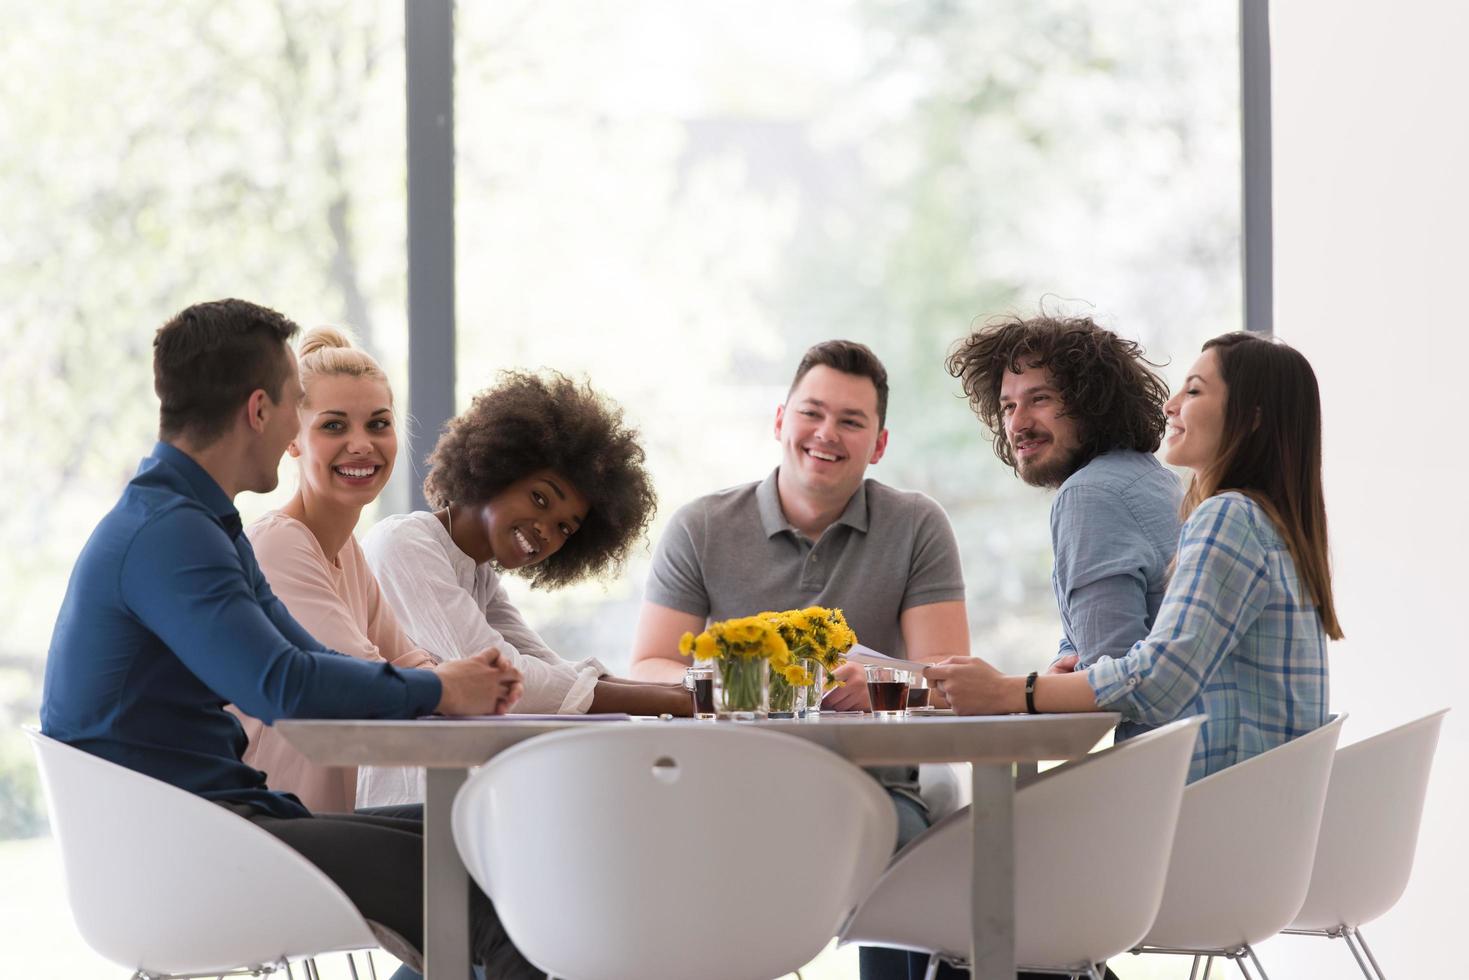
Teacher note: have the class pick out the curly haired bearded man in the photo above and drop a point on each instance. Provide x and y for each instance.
(1075, 408)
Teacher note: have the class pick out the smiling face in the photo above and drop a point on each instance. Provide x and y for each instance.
(530, 520)
(348, 440)
(1043, 438)
(1196, 416)
(829, 433)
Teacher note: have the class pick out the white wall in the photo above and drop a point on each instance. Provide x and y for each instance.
(1371, 140)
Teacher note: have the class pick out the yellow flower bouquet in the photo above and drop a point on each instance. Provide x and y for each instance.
(745, 651)
(776, 662)
(818, 639)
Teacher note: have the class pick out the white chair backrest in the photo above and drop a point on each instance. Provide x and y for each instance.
(672, 851)
(1369, 828)
(165, 881)
(1092, 845)
(1244, 847)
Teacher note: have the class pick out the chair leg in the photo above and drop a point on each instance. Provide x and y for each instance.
(1245, 953)
(1362, 941)
(290, 974)
(933, 966)
(1193, 972)
(1356, 954)
(352, 966)
(371, 966)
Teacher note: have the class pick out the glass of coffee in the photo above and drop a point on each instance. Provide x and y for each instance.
(918, 692)
(887, 688)
(699, 682)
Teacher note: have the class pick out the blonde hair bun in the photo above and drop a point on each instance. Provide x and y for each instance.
(328, 351)
(322, 338)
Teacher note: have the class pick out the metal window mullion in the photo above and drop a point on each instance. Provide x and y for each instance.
(1257, 234)
(429, 44)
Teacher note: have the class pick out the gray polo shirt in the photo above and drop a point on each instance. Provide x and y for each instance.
(733, 553)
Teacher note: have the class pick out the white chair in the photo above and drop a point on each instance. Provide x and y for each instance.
(671, 851)
(1369, 831)
(1243, 852)
(167, 884)
(1092, 840)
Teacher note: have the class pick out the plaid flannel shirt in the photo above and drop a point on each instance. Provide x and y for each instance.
(1237, 638)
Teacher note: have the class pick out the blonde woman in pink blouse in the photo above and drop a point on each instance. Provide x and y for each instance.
(346, 448)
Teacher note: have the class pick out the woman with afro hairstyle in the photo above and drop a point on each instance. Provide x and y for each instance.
(541, 477)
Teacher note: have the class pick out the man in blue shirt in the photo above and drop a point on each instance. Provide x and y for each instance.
(167, 619)
(1076, 408)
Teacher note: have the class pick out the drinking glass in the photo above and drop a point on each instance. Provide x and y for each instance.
(887, 687)
(699, 682)
(918, 692)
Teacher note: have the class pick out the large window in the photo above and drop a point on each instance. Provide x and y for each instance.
(155, 155)
(672, 198)
(676, 199)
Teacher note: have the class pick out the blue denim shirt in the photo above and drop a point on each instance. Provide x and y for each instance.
(167, 619)
(1114, 528)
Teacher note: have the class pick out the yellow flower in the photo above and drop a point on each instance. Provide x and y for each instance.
(796, 675)
(686, 643)
(705, 647)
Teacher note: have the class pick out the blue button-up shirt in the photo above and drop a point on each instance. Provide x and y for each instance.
(1114, 529)
(167, 619)
(1237, 638)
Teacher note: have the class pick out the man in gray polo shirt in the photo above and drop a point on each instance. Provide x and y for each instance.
(1073, 406)
(815, 532)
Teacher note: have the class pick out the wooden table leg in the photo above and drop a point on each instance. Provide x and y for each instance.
(992, 885)
(445, 882)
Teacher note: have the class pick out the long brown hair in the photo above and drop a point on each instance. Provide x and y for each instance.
(1270, 451)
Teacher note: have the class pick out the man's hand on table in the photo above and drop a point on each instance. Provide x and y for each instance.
(850, 696)
(484, 684)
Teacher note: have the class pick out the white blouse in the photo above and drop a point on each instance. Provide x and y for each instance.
(448, 604)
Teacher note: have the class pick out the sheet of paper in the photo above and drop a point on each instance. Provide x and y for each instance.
(866, 655)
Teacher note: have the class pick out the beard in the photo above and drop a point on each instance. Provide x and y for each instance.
(1051, 472)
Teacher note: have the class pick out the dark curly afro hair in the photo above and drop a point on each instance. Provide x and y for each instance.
(530, 422)
(1105, 381)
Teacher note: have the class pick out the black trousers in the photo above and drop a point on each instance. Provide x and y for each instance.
(376, 857)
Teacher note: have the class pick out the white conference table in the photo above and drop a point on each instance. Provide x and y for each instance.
(448, 748)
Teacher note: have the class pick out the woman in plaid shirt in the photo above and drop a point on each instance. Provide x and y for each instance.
(1241, 634)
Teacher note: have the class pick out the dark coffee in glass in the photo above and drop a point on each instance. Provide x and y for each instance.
(888, 695)
(917, 697)
(703, 693)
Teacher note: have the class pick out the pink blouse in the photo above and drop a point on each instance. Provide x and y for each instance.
(338, 602)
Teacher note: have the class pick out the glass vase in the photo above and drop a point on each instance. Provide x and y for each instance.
(815, 690)
(786, 699)
(744, 688)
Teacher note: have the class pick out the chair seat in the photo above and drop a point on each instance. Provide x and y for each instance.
(1069, 874)
(163, 881)
(718, 851)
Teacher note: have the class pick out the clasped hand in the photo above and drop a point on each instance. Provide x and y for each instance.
(484, 684)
